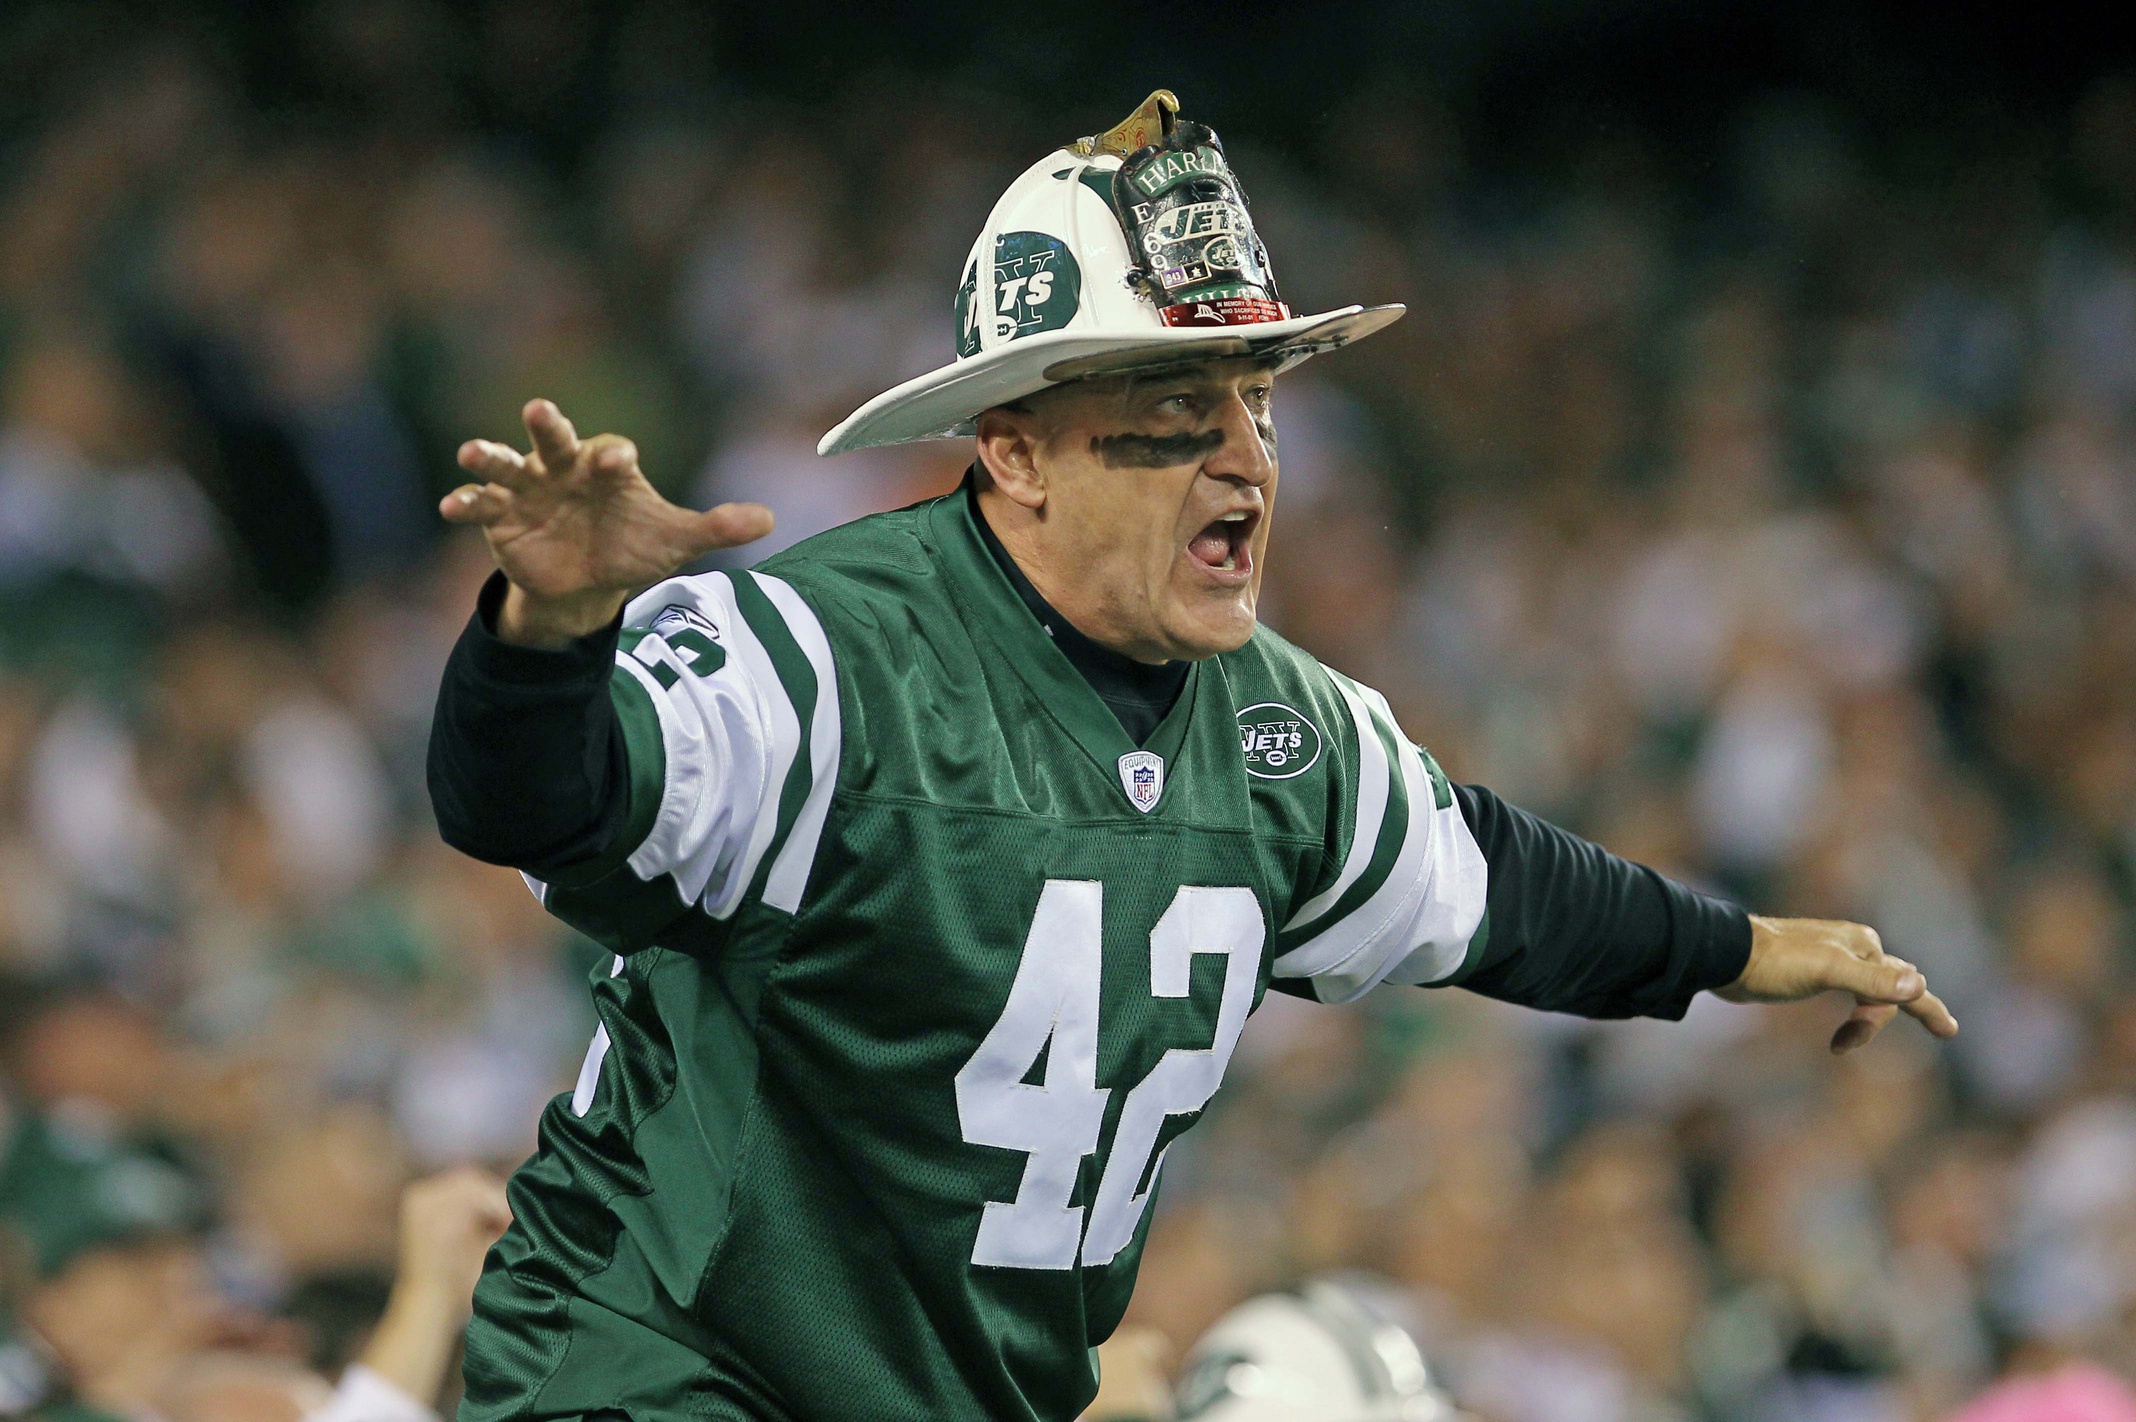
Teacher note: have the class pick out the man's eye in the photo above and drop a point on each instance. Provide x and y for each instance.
(1177, 404)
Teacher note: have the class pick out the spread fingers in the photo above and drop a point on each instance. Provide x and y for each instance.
(480, 504)
(556, 443)
(493, 462)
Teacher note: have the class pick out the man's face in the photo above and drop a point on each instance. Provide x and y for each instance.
(1157, 495)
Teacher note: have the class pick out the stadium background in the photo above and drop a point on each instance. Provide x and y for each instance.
(1752, 487)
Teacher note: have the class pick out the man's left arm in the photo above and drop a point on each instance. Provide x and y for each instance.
(1570, 927)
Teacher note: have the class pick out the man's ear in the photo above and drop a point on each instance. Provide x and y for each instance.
(1008, 447)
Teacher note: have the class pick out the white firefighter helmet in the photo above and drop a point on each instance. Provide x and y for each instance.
(1323, 1353)
(1131, 250)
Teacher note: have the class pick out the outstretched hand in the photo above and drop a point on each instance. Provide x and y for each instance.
(1796, 958)
(577, 528)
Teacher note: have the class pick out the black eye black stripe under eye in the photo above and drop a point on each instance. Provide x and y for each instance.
(1141, 451)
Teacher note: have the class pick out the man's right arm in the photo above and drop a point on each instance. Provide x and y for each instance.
(528, 764)
(551, 753)
(674, 766)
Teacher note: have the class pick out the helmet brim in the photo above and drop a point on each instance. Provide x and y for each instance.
(945, 403)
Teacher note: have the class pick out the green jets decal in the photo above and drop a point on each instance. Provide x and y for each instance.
(1037, 287)
(1279, 743)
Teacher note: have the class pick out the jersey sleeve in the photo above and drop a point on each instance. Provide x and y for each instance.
(1408, 897)
(726, 699)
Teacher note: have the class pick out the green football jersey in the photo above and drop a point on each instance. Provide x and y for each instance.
(921, 965)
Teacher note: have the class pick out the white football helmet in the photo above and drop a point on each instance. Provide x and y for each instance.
(1322, 1353)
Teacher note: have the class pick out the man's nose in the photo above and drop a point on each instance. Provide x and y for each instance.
(1244, 455)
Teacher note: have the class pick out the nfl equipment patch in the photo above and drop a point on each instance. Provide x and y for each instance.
(1142, 777)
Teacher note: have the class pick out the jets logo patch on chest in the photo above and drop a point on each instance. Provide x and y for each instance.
(1278, 741)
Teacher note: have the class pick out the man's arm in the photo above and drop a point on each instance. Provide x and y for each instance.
(1441, 885)
(1570, 927)
(529, 764)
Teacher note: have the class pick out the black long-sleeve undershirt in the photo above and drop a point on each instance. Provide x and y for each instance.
(1573, 928)
(527, 769)
(526, 757)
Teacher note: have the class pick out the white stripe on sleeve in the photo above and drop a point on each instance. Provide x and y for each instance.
(781, 730)
(788, 879)
(1416, 927)
(691, 739)
(1373, 785)
(729, 737)
(1451, 909)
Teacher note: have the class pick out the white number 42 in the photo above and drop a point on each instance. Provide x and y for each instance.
(1057, 1122)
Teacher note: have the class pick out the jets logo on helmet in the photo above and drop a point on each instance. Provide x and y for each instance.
(1037, 287)
(1202, 264)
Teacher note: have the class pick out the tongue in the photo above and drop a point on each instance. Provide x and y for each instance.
(1211, 545)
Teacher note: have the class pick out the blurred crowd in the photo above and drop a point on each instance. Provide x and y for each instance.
(1776, 527)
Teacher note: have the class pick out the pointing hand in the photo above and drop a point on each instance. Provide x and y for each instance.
(1796, 958)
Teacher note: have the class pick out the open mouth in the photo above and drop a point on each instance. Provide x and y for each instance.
(1224, 547)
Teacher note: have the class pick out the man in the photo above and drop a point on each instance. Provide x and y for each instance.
(944, 855)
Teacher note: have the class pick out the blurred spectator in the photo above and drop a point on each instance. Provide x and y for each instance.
(124, 1318)
(448, 1223)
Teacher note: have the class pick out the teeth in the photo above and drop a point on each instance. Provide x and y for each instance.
(1237, 516)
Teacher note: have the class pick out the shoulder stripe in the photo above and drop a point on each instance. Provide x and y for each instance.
(1351, 932)
(1453, 922)
(645, 755)
(1373, 785)
(788, 879)
(682, 777)
(752, 619)
(797, 675)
